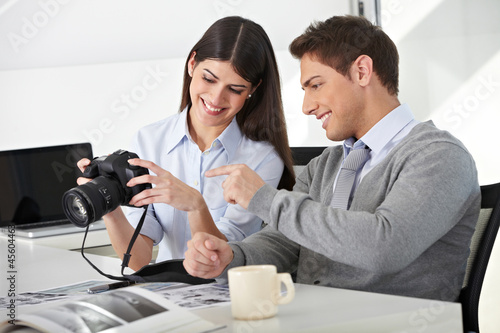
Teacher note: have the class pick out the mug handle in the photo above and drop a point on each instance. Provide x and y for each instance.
(286, 279)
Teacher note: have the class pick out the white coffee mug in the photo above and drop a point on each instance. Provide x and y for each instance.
(255, 291)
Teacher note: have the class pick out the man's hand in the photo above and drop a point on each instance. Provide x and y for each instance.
(207, 256)
(240, 185)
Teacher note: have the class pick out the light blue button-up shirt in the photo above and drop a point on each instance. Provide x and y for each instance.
(168, 144)
(381, 138)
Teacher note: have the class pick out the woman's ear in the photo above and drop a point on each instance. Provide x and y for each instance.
(363, 70)
(191, 64)
(254, 88)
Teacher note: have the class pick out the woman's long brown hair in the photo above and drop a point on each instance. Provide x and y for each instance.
(247, 47)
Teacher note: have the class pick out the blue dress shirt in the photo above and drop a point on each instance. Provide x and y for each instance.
(168, 144)
(381, 138)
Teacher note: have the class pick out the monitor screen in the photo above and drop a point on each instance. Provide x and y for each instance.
(33, 180)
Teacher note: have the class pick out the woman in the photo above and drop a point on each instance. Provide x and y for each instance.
(231, 112)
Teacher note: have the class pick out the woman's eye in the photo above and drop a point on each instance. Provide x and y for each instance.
(237, 92)
(208, 80)
(234, 91)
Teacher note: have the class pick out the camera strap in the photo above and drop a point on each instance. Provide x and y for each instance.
(126, 255)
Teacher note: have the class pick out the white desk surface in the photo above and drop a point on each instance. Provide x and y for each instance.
(314, 309)
(72, 241)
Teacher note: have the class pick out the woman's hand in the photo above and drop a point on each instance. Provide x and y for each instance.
(82, 165)
(168, 189)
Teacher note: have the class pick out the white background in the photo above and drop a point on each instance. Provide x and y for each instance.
(73, 70)
(85, 73)
(98, 70)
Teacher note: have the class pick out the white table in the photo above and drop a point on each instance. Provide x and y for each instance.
(322, 309)
(97, 238)
(314, 309)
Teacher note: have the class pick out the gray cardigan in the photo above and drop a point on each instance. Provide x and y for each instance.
(407, 231)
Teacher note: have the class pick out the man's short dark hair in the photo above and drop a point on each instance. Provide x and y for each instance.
(340, 40)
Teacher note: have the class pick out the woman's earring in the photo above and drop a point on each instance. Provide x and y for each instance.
(249, 95)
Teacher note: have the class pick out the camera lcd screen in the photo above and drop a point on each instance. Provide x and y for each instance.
(32, 182)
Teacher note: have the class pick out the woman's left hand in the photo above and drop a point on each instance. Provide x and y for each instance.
(168, 189)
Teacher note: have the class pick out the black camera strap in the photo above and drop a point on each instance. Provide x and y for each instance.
(126, 256)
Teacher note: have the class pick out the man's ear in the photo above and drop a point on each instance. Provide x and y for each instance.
(363, 70)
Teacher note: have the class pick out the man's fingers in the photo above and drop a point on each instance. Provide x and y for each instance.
(207, 255)
(197, 263)
(211, 246)
(203, 249)
(207, 247)
(195, 269)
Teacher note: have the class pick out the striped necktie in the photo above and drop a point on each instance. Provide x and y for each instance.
(353, 162)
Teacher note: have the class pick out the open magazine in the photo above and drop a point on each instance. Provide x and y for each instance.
(131, 309)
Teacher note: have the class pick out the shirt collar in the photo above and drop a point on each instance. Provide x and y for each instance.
(387, 128)
(230, 138)
(351, 143)
(179, 131)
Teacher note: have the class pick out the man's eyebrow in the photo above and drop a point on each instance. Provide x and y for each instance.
(232, 85)
(306, 84)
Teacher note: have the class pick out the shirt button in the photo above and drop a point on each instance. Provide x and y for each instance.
(214, 144)
(206, 152)
(195, 183)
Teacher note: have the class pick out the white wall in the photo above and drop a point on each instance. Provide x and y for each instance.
(97, 71)
(450, 69)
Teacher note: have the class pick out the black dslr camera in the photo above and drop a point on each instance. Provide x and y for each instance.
(107, 190)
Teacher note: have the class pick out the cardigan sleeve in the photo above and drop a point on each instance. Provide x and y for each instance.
(266, 247)
(399, 209)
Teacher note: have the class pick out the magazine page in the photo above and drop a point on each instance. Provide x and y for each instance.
(182, 294)
(42, 297)
(130, 309)
(191, 296)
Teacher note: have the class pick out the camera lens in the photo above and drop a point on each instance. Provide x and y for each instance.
(87, 203)
(77, 209)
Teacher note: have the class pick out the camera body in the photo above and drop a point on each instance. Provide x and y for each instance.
(116, 166)
(107, 190)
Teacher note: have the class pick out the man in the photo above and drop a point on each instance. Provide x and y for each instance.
(404, 225)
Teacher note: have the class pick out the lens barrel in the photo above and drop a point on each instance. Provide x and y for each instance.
(89, 202)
